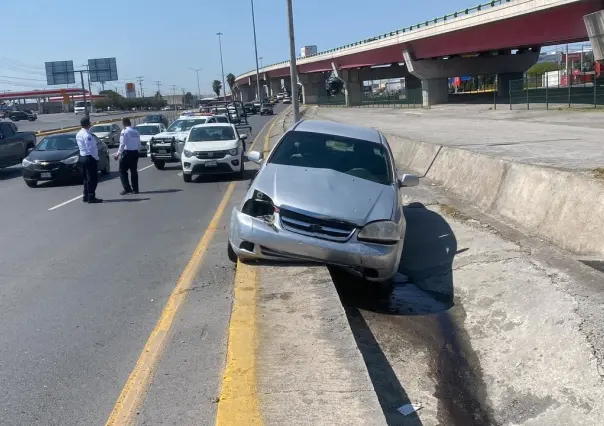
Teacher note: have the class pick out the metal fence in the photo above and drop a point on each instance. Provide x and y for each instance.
(411, 98)
(556, 90)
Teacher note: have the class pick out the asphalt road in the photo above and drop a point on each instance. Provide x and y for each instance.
(58, 121)
(82, 286)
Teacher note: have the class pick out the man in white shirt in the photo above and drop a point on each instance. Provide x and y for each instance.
(130, 143)
(89, 157)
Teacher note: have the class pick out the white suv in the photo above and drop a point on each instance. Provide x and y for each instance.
(213, 149)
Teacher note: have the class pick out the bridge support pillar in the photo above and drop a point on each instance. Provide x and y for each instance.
(274, 87)
(353, 87)
(503, 82)
(312, 87)
(247, 93)
(594, 23)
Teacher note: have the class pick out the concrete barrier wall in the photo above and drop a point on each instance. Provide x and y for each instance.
(562, 207)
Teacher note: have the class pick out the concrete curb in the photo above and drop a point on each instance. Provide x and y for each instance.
(562, 207)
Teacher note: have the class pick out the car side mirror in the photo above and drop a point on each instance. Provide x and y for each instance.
(407, 181)
(255, 156)
(30, 149)
(243, 137)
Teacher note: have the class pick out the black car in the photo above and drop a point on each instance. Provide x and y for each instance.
(157, 118)
(266, 109)
(57, 157)
(22, 115)
(250, 108)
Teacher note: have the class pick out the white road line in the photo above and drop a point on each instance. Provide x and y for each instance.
(145, 168)
(66, 202)
(179, 174)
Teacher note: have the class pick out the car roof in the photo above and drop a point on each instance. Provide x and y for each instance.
(213, 125)
(339, 129)
(148, 124)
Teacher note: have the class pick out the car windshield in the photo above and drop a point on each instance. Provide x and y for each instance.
(211, 133)
(100, 129)
(184, 125)
(355, 157)
(148, 130)
(221, 119)
(153, 119)
(58, 143)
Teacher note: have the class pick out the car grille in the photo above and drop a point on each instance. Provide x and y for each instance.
(211, 155)
(53, 165)
(320, 228)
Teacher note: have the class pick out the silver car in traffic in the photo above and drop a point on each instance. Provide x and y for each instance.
(328, 193)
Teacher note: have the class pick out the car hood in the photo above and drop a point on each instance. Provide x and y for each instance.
(326, 193)
(51, 155)
(146, 138)
(101, 135)
(211, 146)
(169, 135)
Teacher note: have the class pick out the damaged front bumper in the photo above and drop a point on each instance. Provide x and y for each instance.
(264, 238)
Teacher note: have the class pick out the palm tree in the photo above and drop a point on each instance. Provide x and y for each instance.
(216, 87)
(230, 79)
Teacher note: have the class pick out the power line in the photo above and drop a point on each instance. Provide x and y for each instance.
(140, 83)
(158, 82)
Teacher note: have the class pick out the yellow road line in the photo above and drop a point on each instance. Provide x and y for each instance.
(239, 404)
(267, 139)
(131, 397)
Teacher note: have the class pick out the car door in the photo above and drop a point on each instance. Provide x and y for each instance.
(115, 133)
(12, 148)
(103, 154)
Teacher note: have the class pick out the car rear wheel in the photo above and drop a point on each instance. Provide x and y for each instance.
(107, 168)
(187, 177)
(159, 164)
(31, 183)
(231, 253)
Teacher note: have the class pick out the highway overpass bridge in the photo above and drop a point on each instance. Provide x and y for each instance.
(502, 37)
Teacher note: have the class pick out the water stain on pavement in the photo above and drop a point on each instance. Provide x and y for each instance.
(424, 314)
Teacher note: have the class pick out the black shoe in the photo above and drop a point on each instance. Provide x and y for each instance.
(135, 191)
(94, 201)
(84, 200)
(126, 191)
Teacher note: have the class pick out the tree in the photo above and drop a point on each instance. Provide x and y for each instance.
(543, 67)
(217, 87)
(230, 78)
(188, 98)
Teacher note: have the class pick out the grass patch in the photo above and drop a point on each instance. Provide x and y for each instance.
(598, 173)
(453, 212)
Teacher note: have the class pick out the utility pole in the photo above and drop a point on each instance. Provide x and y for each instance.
(140, 83)
(292, 62)
(198, 88)
(256, 51)
(158, 82)
(183, 96)
(221, 65)
(174, 95)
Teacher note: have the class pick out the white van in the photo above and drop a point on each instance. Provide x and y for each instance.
(80, 107)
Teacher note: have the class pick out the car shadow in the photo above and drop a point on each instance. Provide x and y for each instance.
(248, 175)
(125, 200)
(161, 191)
(10, 173)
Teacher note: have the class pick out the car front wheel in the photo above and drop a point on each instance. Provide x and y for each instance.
(31, 183)
(187, 177)
(107, 168)
(231, 253)
(159, 164)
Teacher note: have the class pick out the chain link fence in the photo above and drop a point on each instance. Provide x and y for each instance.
(557, 90)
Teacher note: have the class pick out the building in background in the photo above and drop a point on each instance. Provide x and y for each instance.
(130, 91)
(308, 50)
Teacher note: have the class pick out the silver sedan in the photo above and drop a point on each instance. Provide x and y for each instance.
(328, 193)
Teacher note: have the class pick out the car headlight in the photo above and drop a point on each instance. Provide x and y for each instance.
(71, 160)
(233, 151)
(188, 153)
(382, 232)
(26, 163)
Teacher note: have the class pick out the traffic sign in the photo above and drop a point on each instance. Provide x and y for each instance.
(59, 72)
(102, 69)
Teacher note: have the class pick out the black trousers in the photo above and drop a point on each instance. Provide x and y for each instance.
(90, 176)
(129, 162)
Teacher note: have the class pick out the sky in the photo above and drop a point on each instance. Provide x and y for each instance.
(161, 40)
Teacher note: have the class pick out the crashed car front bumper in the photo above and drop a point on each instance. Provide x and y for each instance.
(264, 238)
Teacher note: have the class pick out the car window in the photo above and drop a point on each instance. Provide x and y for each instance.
(100, 129)
(355, 157)
(58, 143)
(222, 120)
(184, 125)
(211, 133)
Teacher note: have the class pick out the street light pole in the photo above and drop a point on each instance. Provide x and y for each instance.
(198, 89)
(221, 65)
(256, 51)
(292, 62)
(260, 59)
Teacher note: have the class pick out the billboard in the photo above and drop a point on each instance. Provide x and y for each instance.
(102, 69)
(130, 90)
(308, 50)
(59, 72)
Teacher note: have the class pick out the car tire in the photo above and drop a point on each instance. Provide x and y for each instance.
(159, 164)
(231, 253)
(384, 288)
(107, 168)
(241, 171)
(31, 183)
(187, 177)
(14, 118)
